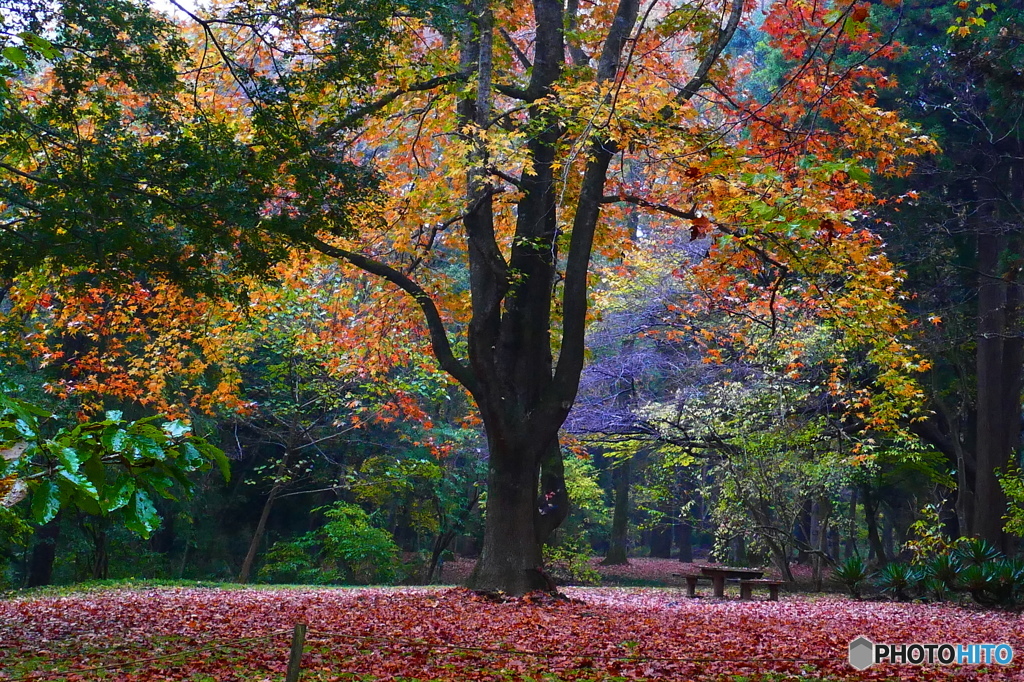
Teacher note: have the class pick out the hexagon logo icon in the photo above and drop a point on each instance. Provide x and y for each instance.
(862, 653)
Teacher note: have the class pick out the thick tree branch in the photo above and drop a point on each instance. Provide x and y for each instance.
(520, 55)
(579, 57)
(639, 201)
(438, 335)
(562, 393)
(699, 77)
(373, 107)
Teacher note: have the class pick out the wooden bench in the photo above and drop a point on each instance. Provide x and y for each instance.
(747, 588)
(691, 582)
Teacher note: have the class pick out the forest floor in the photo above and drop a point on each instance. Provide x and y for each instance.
(141, 632)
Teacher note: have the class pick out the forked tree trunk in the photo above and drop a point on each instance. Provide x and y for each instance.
(523, 395)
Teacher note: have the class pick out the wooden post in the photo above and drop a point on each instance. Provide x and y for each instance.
(295, 661)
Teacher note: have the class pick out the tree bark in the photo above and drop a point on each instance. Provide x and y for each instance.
(999, 352)
(510, 560)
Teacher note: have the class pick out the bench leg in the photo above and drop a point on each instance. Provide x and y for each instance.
(691, 586)
(773, 592)
(719, 582)
(746, 591)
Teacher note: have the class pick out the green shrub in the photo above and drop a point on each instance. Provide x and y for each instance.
(347, 549)
(293, 562)
(363, 553)
(568, 563)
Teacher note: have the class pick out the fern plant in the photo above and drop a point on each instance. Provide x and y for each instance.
(852, 573)
(898, 580)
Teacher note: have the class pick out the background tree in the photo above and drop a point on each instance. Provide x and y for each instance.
(957, 228)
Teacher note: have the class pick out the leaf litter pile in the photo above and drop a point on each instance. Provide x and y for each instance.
(453, 634)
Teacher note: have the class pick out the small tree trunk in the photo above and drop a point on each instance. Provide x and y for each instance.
(834, 543)
(40, 567)
(877, 552)
(851, 530)
(621, 474)
(684, 538)
(888, 536)
(445, 539)
(781, 560)
(257, 535)
(100, 556)
(802, 531)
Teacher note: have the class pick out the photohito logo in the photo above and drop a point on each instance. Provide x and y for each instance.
(864, 653)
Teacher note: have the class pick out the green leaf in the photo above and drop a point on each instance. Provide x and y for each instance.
(24, 428)
(40, 45)
(141, 516)
(177, 428)
(161, 483)
(15, 55)
(45, 502)
(68, 458)
(114, 439)
(859, 174)
(148, 448)
(93, 468)
(81, 483)
(216, 455)
(119, 494)
(193, 460)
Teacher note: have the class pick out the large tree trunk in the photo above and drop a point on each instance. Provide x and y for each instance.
(998, 384)
(511, 559)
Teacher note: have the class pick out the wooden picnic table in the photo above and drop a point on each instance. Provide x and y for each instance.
(719, 574)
